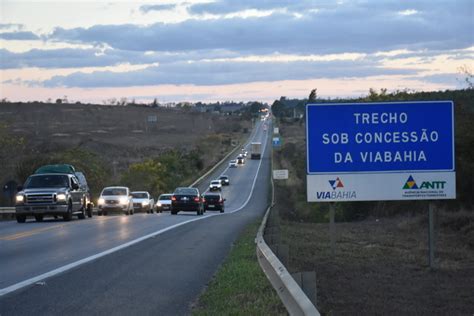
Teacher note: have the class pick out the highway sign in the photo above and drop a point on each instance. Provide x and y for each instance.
(276, 130)
(276, 142)
(380, 151)
(281, 174)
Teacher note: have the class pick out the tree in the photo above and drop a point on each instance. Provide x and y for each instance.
(313, 95)
(278, 108)
(469, 76)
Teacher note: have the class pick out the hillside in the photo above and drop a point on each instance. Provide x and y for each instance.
(114, 137)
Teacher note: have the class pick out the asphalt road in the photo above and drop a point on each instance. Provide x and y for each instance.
(123, 265)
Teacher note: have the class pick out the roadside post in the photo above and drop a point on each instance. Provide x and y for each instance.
(381, 151)
(431, 238)
(332, 228)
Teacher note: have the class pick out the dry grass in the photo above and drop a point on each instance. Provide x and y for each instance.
(380, 267)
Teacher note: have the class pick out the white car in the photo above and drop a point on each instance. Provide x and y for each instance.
(233, 163)
(163, 203)
(116, 199)
(142, 201)
(216, 185)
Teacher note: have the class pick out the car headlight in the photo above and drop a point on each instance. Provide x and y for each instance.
(123, 200)
(61, 197)
(145, 203)
(158, 204)
(20, 198)
(101, 201)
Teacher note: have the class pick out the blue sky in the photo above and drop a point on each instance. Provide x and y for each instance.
(230, 50)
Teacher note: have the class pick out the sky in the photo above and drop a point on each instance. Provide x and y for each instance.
(230, 50)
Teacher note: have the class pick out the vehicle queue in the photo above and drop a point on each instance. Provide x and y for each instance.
(58, 190)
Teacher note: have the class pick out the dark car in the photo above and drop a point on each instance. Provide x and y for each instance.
(213, 202)
(186, 199)
(240, 160)
(224, 179)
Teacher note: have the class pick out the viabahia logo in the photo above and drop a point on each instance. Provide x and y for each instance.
(337, 192)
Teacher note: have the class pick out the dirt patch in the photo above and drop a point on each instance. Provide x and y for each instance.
(380, 266)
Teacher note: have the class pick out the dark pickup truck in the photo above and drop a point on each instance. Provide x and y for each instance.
(53, 191)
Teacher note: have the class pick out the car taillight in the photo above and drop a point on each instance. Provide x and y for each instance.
(221, 201)
(173, 198)
(203, 200)
(196, 199)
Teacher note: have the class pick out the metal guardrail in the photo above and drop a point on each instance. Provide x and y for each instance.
(222, 160)
(290, 293)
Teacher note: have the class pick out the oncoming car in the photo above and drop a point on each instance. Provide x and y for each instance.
(224, 179)
(142, 201)
(215, 185)
(163, 203)
(233, 163)
(116, 199)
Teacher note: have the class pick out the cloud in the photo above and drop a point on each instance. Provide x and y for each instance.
(452, 79)
(8, 26)
(19, 36)
(78, 58)
(157, 7)
(221, 72)
(72, 58)
(353, 28)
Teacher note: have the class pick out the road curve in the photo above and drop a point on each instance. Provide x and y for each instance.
(140, 264)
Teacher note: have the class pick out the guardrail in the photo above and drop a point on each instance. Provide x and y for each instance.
(295, 300)
(222, 160)
(215, 166)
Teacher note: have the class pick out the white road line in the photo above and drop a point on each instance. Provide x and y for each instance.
(75, 264)
(67, 267)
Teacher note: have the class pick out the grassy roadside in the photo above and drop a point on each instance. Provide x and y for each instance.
(240, 287)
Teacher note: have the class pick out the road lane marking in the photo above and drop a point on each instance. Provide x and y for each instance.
(41, 230)
(75, 264)
(72, 265)
(30, 232)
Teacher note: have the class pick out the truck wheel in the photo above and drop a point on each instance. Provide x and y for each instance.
(20, 218)
(89, 210)
(68, 216)
(82, 214)
(39, 217)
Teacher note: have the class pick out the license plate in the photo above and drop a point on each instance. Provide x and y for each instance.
(211, 205)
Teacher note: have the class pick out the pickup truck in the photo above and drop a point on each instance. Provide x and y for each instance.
(53, 190)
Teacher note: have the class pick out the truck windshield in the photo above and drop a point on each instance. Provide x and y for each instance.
(47, 181)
